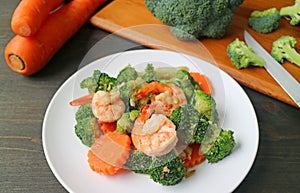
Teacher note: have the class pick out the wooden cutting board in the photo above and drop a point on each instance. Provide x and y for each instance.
(131, 19)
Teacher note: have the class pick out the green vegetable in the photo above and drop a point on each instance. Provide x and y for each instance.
(243, 56)
(185, 81)
(138, 162)
(265, 21)
(126, 74)
(149, 75)
(205, 104)
(192, 19)
(217, 144)
(98, 81)
(86, 128)
(167, 170)
(167, 73)
(292, 13)
(190, 124)
(127, 91)
(284, 48)
(126, 122)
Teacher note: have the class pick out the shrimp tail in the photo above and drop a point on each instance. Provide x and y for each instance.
(82, 100)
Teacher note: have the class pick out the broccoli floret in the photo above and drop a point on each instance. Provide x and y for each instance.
(127, 91)
(167, 170)
(265, 21)
(106, 82)
(292, 13)
(126, 74)
(190, 124)
(125, 123)
(284, 48)
(149, 75)
(243, 56)
(217, 144)
(185, 81)
(205, 104)
(86, 128)
(191, 19)
(98, 81)
(138, 162)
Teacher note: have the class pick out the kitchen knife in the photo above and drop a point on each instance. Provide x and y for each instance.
(276, 70)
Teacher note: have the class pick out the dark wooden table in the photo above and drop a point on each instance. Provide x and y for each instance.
(23, 102)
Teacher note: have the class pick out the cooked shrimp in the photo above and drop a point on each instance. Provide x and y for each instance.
(153, 134)
(153, 88)
(167, 96)
(107, 106)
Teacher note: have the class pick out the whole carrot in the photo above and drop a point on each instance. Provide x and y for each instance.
(28, 55)
(29, 15)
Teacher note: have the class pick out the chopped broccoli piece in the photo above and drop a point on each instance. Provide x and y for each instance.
(292, 12)
(98, 81)
(217, 144)
(243, 56)
(201, 129)
(265, 21)
(149, 75)
(86, 128)
(105, 82)
(205, 104)
(167, 170)
(125, 123)
(84, 111)
(138, 162)
(191, 19)
(127, 91)
(185, 81)
(91, 83)
(284, 48)
(190, 124)
(126, 74)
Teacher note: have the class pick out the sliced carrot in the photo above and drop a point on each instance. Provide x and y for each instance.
(100, 166)
(82, 100)
(30, 14)
(28, 55)
(108, 127)
(203, 82)
(113, 150)
(196, 157)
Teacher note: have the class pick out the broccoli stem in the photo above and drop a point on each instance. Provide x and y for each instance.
(285, 11)
(292, 11)
(293, 56)
(253, 58)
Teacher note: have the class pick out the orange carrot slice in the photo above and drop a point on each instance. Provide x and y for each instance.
(112, 149)
(196, 157)
(100, 166)
(108, 127)
(30, 14)
(203, 82)
(28, 55)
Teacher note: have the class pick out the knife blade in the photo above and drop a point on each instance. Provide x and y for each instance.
(289, 84)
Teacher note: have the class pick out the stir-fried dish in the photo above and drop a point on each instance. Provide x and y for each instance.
(160, 122)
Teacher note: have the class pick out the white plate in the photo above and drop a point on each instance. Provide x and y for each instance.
(67, 157)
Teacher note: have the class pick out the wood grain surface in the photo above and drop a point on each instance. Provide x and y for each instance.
(132, 20)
